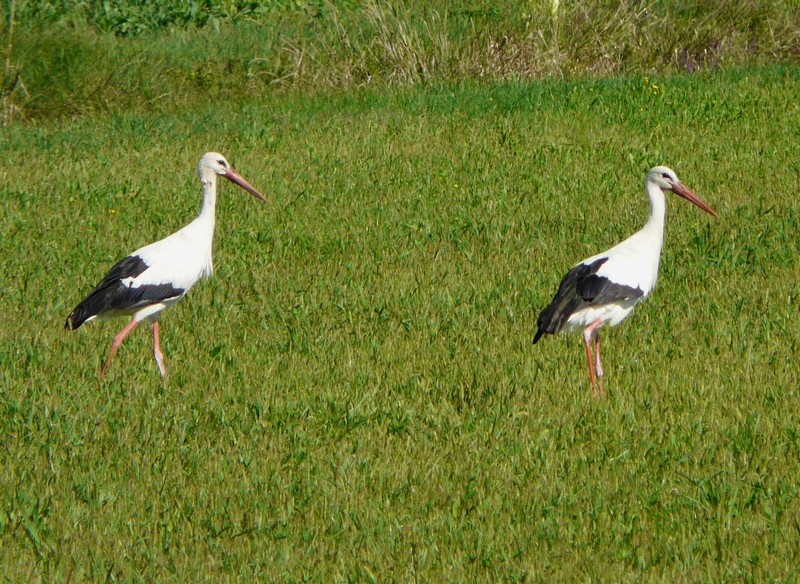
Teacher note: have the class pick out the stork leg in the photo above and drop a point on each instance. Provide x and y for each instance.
(116, 343)
(159, 355)
(598, 364)
(588, 334)
(587, 341)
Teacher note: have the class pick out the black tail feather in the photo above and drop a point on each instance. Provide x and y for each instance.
(79, 315)
(95, 303)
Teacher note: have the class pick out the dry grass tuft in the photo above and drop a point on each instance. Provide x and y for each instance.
(169, 57)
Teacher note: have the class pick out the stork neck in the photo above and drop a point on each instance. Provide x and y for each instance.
(658, 210)
(208, 211)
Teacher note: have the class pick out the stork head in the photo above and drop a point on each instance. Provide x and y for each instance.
(213, 163)
(666, 179)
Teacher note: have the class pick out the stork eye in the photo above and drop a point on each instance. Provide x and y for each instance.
(221, 162)
(665, 175)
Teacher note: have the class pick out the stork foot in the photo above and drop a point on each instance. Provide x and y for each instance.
(160, 362)
(157, 352)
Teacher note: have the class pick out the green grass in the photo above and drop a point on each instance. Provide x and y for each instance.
(70, 57)
(354, 395)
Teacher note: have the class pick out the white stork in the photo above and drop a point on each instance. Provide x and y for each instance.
(604, 288)
(156, 276)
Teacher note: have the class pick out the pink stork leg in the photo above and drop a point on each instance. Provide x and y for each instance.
(116, 343)
(588, 334)
(598, 364)
(157, 350)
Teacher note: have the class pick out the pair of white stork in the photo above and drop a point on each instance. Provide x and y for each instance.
(600, 290)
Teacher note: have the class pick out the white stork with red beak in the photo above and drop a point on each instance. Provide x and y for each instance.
(156, 276)
(604, 288)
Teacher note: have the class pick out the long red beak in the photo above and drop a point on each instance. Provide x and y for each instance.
(682, 190)
(238, 179)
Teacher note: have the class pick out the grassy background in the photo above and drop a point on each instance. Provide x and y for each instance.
(354, 395)
(70, 57)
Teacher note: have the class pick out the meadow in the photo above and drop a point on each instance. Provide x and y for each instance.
(354, 395)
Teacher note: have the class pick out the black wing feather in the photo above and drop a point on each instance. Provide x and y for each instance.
(112, 294)
(579, 289)
(597, 290)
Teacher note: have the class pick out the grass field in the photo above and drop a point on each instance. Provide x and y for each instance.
(71, 57)
(354, 395)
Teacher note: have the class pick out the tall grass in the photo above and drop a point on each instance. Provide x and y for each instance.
(11, 86)
(78, 56)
